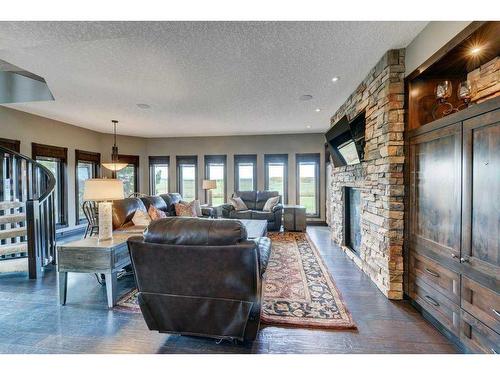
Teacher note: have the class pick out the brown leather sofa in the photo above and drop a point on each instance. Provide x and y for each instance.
(124, 209)
(255, 201)
(200, 277)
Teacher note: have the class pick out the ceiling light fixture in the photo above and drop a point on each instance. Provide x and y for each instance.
(306, 97)
(317, 110)
(476, 50)
(115, 164)
(143, 106)
(308, 126)
(335, 79)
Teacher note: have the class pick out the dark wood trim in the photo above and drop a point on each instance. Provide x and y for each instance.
(247, 159)
(157, 160)
(132, 160)
(440, 53)
(89, 157)
(187, 159)
(216, 159)
(276, 158)
(11, 144)
(48, 151)
(309, 158)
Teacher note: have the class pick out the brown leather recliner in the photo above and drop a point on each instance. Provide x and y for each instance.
(200, 277)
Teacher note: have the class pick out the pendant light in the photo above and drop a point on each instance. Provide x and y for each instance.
(115, 165)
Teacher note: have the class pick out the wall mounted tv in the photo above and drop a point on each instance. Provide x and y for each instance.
(346, 141)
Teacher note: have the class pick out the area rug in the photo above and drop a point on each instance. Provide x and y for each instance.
(297, 290)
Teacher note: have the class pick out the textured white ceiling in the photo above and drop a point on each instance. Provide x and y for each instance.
(200, 78)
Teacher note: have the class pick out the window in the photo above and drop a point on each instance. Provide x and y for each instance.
(130, 174)
(55, 160)
(187, 177)
(308, 183)
(158, 174)
(276, 174)
(245, 172)
(87, 165)
(215, 169)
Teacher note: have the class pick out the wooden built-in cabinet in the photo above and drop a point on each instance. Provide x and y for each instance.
(454, 224)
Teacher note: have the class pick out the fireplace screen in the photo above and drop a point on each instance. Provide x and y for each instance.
(352, 227)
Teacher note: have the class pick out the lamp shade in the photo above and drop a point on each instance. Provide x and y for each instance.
(209, 184)
(115, 167)
(103, 189)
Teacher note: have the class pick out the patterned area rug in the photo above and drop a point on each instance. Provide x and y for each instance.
(297, 290)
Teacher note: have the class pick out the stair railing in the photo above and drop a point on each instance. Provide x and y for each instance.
(28, 181)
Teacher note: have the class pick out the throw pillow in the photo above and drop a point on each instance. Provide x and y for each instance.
(196, 206)
(141, 218)
(238, 204)
(183, 209)
(156, 214)
(270, 203)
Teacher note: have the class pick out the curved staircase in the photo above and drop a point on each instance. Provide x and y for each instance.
(27, 222)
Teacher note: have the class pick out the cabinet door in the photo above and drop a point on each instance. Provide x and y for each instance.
(435, 193)
(481, 199)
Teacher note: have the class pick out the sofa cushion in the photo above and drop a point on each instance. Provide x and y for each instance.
(141, 218)
(240, 214)
(238, 204)
(270, 203)
(156, 214)
(195, 231)
(155, 201)
(185, 209)
(248, 197)
(262, 215)
(262, 197)
(124, 210)
(171, 199)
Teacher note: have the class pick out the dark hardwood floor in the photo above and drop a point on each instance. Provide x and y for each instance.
(31, 321)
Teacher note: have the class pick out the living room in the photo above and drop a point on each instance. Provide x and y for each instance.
(248, 187)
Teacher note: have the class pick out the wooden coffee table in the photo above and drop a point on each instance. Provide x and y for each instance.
(93, 256)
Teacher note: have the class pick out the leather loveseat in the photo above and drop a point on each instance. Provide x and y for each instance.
(124, 209)
(200, 277)
(255, 201)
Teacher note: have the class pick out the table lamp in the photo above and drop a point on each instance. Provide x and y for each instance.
(209, 185)
(104, 190)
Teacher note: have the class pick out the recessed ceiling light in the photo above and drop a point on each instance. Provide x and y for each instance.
(476, 50)
(308, 126)
(306, 97)
(335, 79)
(143, 106)
(317, 110)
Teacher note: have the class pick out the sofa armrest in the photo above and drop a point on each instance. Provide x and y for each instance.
(224, 209)
(278, 207)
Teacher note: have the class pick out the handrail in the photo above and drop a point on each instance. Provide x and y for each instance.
(33, 184)
(52, 179)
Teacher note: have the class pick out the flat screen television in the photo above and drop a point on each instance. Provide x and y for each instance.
(346, 141)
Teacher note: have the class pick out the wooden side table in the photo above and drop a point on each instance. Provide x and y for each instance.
(294, 218)
(93, 256)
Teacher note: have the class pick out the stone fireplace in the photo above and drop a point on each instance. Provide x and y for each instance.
(378, 179)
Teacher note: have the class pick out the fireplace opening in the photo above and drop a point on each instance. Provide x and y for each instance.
(352, 219)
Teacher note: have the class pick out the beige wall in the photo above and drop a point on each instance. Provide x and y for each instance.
(435, 35)
(31, 128)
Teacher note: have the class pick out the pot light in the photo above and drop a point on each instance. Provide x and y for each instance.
(308, 126)
(476, 50)
(335, 79)
(317, 110)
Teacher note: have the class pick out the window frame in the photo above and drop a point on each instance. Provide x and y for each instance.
(134, 161)
(11, 144)
(277, 158)
(158, 160)
(87, 157)
(39, 150)
(216, 159)
(181, 160)
(309, 158)
(244, 159)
